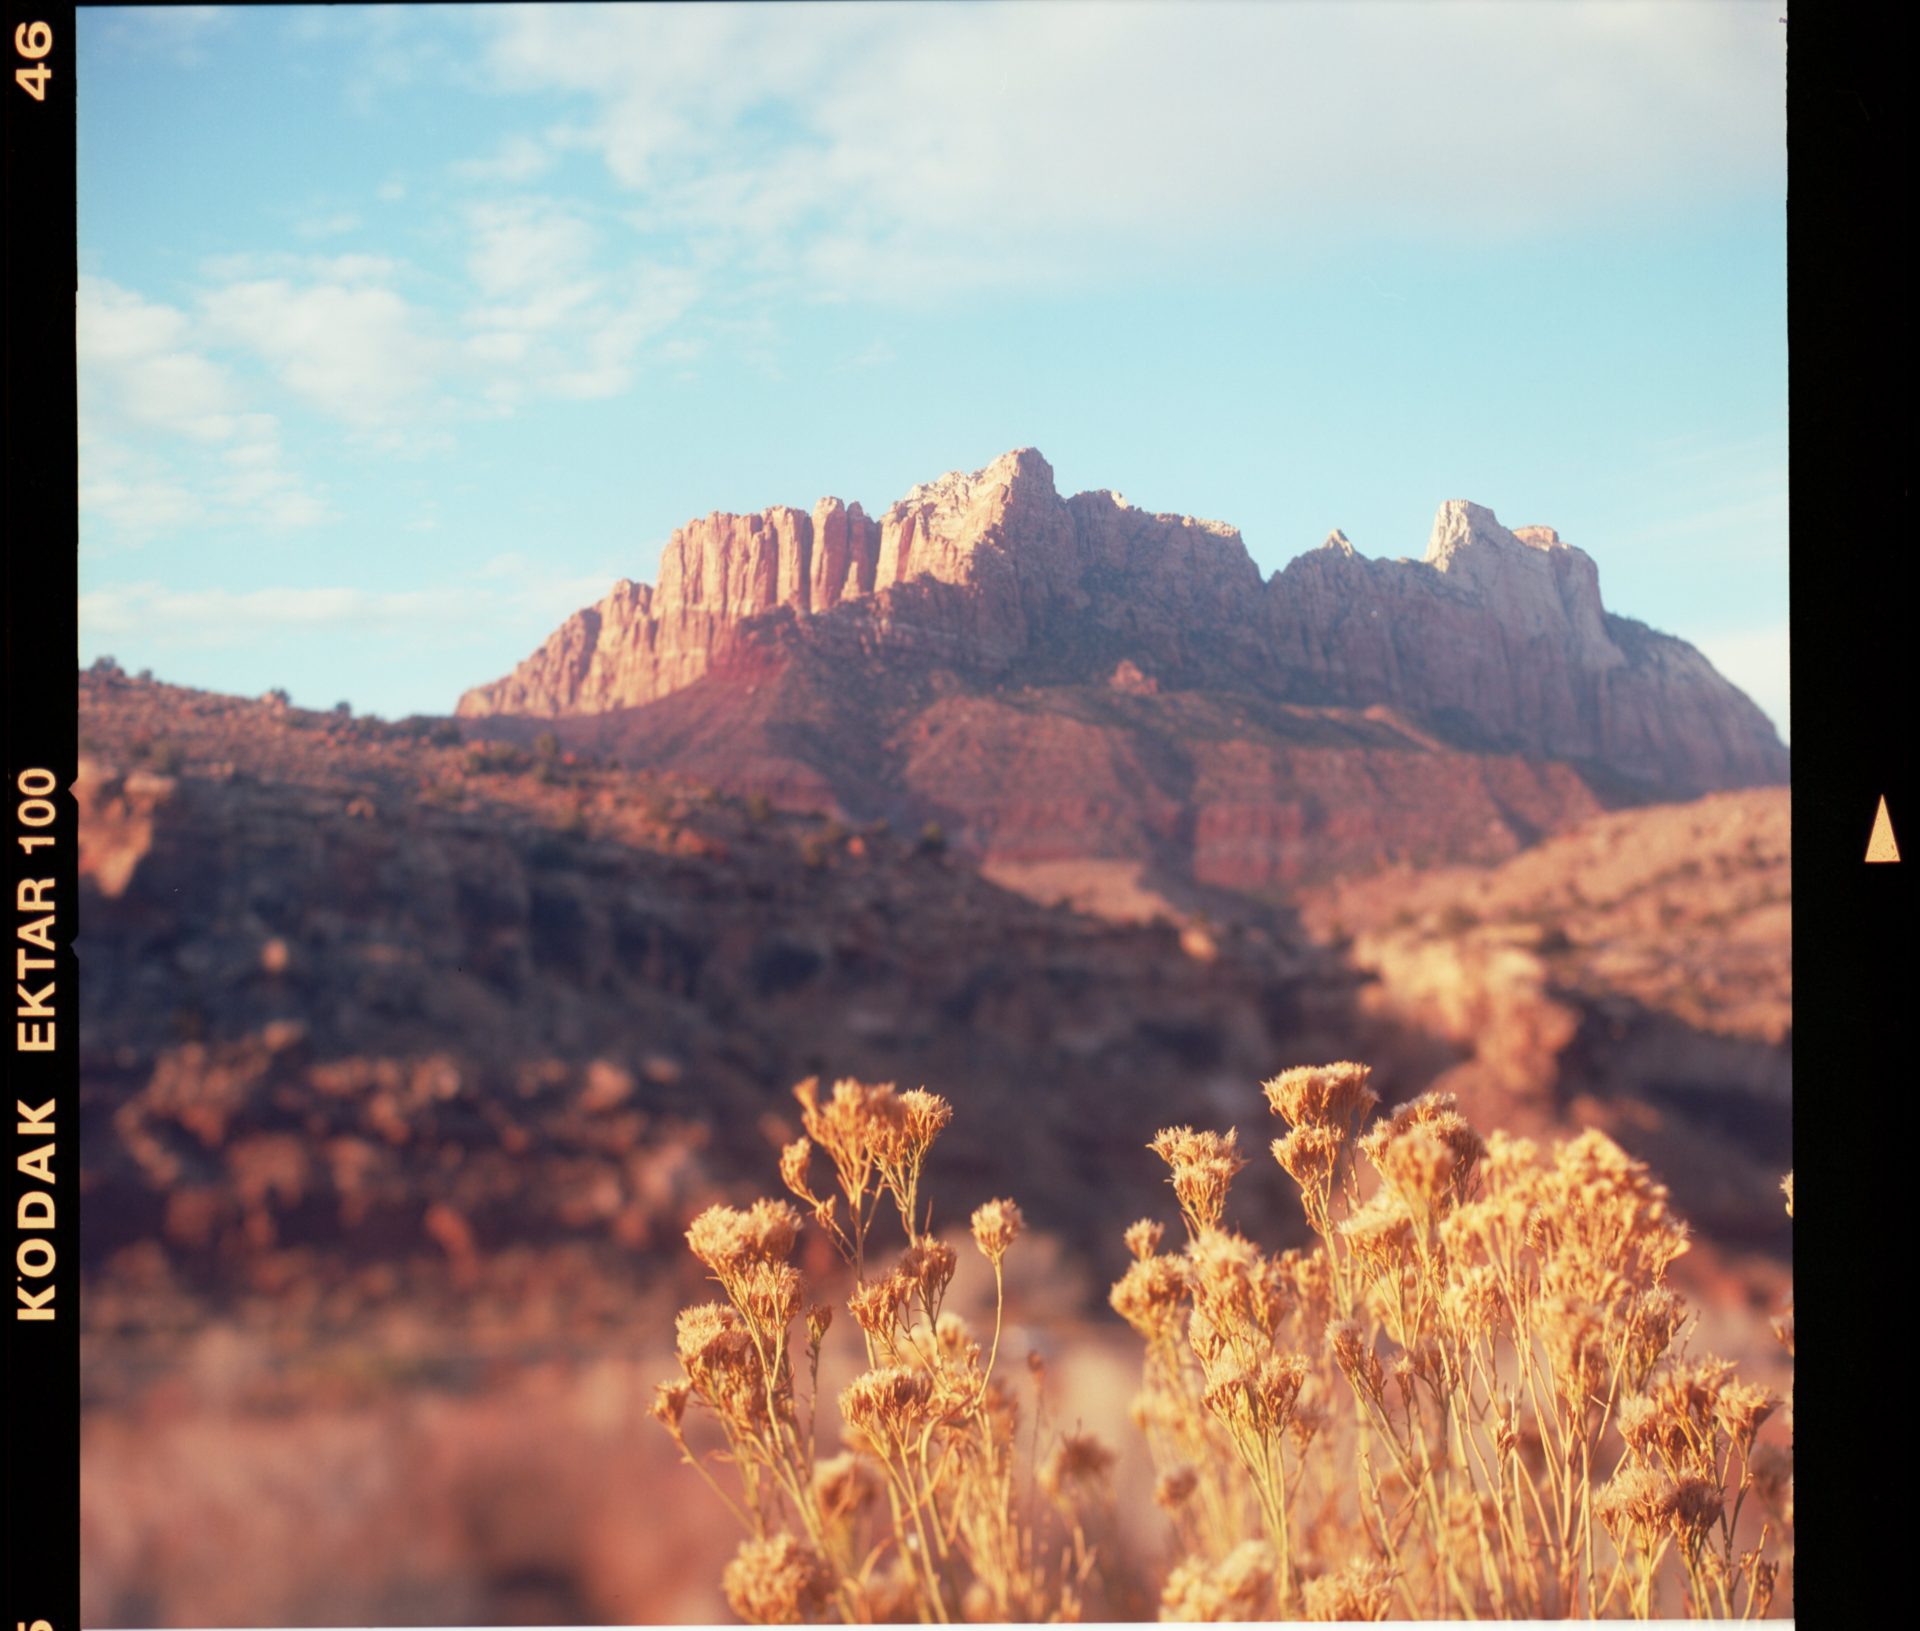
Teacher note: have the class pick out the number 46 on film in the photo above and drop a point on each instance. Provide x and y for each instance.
(33, 41)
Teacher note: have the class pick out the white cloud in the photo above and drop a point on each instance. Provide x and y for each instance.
(353, 349)
(137, 360)
(526, 244)
(331, 225)
(138, 495)
(176, 33)
(551, 323)
(155, 409)
(201, 618)
(918, 149)
(518, 158)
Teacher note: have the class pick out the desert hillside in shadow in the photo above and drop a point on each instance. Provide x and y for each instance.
(408, 1059)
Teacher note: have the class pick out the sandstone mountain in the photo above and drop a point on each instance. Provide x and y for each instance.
(1052, 676)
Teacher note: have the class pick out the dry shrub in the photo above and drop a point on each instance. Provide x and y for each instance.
(1472, 1397)
(935, 1508)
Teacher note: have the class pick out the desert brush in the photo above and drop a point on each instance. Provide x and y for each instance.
(1471, 1396)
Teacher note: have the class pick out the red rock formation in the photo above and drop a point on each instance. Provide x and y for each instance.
(1495, 642)
(1503, 634)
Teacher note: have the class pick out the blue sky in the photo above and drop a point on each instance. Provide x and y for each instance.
(404, 332)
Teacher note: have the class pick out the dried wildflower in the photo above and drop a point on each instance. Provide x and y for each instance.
(1309, 1276)
(695, 1327)
(1427, 1152)
(796, 1160)
(1472, 1302)
(1175, 1488)
(855, 1125)
(1687, 1396)
(1573, 1333)
(1238, 1287)
(1771, 1468)
(1276, 1390)
(1149, 1294)
(718, 1354)
(1358, 1362)
(1239, 1587)
(1204, 1167)
(879, 1306)
(1262, 1398)
(1600, 1223)
(1359, 1590)
(1207, 1339)
(1697, 1504)
(996, 1226)
(1143, 1237)
(929, 1265)
(670, 1404)
(1331, 1096)
(844, 1486)
(727, 1240)
(1310, 1156)
(1307, 1421)
(819, 1319)
(1078, 1463)
(891, 1596)
(1380, 1234)
(1506, 1424)
(771, 1295)
(1644, 1428)
(1741, 1408)
(1636, 1500)
(886, 1404)
(777, 1581)
(1651, 1323)
(924, 1116)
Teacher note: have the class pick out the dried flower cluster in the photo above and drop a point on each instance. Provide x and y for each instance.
(927, 1512)
(1472, 1398)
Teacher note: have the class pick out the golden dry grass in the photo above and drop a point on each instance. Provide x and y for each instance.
(1473, 1397)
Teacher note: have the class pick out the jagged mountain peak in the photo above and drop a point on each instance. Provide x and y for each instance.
(988, 578)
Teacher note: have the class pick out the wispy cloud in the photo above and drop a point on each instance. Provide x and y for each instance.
(908, 150)
(330, 225)
(139, 363)
(165, 437)
(357, 350)
(518, 158)
(176, 34)
(200, 618)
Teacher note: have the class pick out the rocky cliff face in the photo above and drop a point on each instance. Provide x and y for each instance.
(957, 661)
(1496, 641)
(1503, 634)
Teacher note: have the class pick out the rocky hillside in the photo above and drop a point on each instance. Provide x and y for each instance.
(1097, 680)
(356, 998)
(1635, 972)
(360, 991)
(407, 1060)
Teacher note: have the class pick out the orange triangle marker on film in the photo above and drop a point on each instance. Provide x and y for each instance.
(1881, 846)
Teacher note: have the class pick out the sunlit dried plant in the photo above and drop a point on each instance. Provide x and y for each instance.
(930, 1511)
(1471, 1398)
